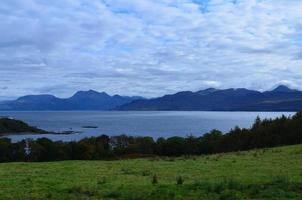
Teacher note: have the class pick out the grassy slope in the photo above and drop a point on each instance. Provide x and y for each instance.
(263, 174)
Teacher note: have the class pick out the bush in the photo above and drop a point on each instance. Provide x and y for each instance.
(179, 180)
(154, 179)
(146, 173)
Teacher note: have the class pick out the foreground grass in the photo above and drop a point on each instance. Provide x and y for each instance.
(262, 174)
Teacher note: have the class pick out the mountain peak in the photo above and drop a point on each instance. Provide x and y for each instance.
(90, 93)
(283, 88)
(36, 97)
(81, 100)
(207, 91)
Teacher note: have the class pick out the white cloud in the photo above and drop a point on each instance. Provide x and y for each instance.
(148, 47)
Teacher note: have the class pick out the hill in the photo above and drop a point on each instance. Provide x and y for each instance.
(8, 126)
(82, 100)
(280, 99)
(261, 174)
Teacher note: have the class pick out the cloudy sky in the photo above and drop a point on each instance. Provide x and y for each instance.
(148, 47)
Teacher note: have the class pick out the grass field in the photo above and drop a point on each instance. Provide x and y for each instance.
(262, 174)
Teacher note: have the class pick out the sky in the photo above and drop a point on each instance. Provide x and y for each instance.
(148, 47)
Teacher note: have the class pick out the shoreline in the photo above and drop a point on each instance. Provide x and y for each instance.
(34, 133)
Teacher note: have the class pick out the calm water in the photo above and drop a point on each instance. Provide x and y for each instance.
(151, 123)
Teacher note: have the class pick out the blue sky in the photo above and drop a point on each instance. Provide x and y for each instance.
(148, 47)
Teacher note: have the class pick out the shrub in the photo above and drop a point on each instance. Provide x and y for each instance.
(154, 179)
(146, 173)
(179, 180)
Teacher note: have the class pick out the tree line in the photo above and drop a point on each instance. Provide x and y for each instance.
(262, 134)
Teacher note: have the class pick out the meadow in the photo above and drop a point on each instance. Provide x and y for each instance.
(274, 173)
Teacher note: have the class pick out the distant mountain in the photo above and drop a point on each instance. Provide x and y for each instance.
(281, 98)
(82, 100)
(283, 88)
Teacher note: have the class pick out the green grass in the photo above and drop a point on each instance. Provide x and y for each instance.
(262, 174)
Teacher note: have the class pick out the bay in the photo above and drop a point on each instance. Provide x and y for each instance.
(136, 123)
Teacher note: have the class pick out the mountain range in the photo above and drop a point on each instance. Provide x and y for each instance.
(82, 100)
(281, 98)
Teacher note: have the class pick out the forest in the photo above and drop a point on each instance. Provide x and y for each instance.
(264, 133)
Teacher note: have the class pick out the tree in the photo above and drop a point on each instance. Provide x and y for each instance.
(209, 142)
(5, 150)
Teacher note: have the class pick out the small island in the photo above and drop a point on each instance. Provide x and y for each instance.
(94, 127)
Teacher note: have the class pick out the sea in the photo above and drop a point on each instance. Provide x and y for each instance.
(136, 123)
